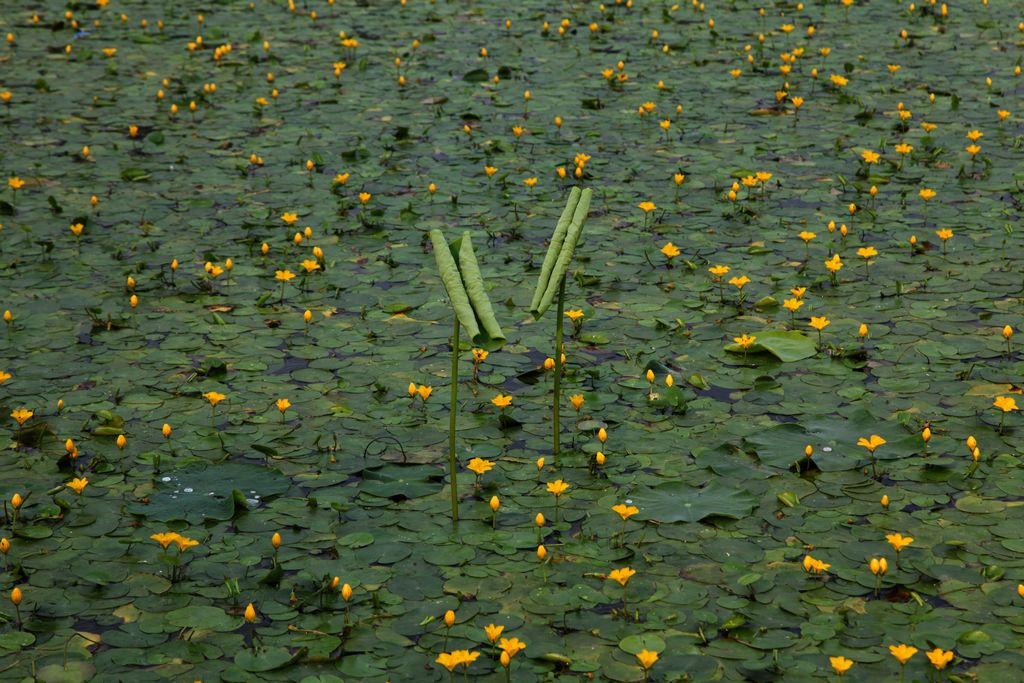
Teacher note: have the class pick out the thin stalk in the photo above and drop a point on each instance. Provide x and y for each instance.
(559, 313)
(451, 422)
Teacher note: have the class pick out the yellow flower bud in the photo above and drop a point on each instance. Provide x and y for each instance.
(542, 552)
(539, 519)
(346, 592)
(16, 596)
(250, 613)
(16, 501)
(885, 501)
(495, 503)
(166, 430)
(275, 540)
(599, 458)
(449, 618)
(121, 441)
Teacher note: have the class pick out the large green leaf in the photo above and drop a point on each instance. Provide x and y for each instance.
(786, 345)
(679, 502)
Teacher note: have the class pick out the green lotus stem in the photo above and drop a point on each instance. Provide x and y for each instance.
(551, 285)
(558, 370)
(451, 422)
(468, 296)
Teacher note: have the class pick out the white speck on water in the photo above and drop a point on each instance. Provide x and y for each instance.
(252, 501)
(629, 501)
(189, 490)
(165, 479)
(827, 449)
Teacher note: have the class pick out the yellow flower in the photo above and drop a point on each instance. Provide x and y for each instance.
(763, 176)
(625, 511)
(4, 376)
(574, 315)
(310, 265)
(493, 631)
(22, 415)
(819, 323)
(479, 466)
(718, 271)
(944, 234)
(838, 81)
(670, 250)
(807, 236)
(739, 282)
(1004, 403)
(745, 341)
(577, 401)
(164, 539)
(512, 646)
(250, 613)
(840, 664)
(364, 197)
(77, 485)
(928, 127)
(289, 218)
(621, 576)
(898, 541)
(448, 660)
(647, 658)
(490, 170)
(283, 404)
(647, 207)
(479, 355)
(465, 657)
(939, 657)
(557, 487)
(15, 183)
(184, 543)
(867, 252)
(502, 400)
(792, 305)
(973, 149)
(424, 391)
(798, 292)
(76, 229)
(284, 275)
(903, 653)
(530, 182)
(904, 148)
(926, 193)
(214, 397)
(870, 157)
(834, 264)
(878, 566)
(341, 178)
(871, 443)
(974, 135)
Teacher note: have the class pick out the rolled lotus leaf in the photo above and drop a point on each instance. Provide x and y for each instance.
(554, 249)
(565, 254)
(466, 291)
(491, 336)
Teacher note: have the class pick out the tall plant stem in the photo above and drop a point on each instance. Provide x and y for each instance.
(451, 423)
(559, 313)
